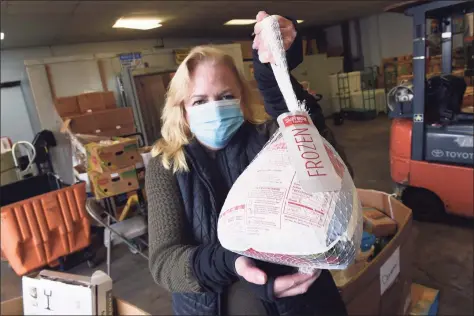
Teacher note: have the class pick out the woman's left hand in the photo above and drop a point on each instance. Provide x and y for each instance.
(288, 34)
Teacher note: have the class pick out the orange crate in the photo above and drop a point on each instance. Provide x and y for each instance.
(39, 230)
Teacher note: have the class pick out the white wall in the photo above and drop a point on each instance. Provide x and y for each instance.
(386, 35)
(382, 36)
(15, 121)
(334, 36)
(12, 61)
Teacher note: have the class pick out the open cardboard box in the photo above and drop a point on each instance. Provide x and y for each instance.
(64, 291)
(383, 286)
(121, 307)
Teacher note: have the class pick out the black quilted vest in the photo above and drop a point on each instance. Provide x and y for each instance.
(202, 202)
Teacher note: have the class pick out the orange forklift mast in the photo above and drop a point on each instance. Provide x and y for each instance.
(431, 146)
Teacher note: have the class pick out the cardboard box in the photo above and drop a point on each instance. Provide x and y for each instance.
(57, 293)
(404, 68)
(112, 155)
(378, 224)
(7, 168)
(109, 100)
(109, 184)
(383, 286)
(246, 47)
(91, 102)
(67, 106)
(116, 122)
(424, 300)
(122, 308)
(78, 144)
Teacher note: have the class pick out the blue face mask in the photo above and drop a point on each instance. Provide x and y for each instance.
(214, 123)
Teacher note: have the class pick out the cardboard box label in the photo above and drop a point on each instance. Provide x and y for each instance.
(45, 297)
(389, 271)
(109, 184)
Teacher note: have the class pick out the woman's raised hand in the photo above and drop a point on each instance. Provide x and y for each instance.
(288, 33)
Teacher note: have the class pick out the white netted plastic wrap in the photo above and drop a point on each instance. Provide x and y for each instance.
(296, 203)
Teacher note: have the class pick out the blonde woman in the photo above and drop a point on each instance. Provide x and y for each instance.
(209, 138)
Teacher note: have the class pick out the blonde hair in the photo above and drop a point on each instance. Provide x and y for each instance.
(175, 131)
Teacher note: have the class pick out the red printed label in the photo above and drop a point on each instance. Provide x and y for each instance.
(235, 208)
(295, 120)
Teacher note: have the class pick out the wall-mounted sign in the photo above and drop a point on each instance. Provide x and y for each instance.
(180, 55)
(130, 59)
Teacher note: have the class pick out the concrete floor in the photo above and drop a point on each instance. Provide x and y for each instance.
(443, 257)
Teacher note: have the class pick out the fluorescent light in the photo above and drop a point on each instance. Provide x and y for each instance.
(240, 22)
(2, 36)
(247, 22)
(137, 23)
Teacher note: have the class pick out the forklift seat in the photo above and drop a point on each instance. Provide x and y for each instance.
(444, 97)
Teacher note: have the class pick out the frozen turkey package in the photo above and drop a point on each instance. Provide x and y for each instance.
(296, 203)
(273, 213)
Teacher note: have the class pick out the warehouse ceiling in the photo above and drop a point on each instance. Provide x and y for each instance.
(44, 23)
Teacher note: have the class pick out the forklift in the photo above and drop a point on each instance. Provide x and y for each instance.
(432, 161)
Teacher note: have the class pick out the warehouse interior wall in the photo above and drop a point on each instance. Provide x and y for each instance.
(74, 69)
(382, 36)
(82, 74)
(386, 35)
(15, 120)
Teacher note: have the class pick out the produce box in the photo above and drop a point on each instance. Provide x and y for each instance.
(114, 122)
(67, 106)
(7, 168)
(109, 100)
(112, 155)
(424, 300)
(405, 68)
(108, 184)
(383, 286)
(378, 224)
(91, 102)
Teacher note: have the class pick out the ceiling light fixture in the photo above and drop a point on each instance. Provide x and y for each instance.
(137, 23)
(2, 36)
(247, 22)
(240, 22)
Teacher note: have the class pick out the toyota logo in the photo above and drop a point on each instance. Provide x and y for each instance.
(437, 153)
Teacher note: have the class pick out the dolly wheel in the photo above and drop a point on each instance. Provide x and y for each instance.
(425, 205)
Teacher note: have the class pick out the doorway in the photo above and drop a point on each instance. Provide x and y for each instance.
(151, 92)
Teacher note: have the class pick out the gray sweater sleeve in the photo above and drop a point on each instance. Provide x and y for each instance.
(169, 253)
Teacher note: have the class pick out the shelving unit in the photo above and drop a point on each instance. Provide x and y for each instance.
(343, 92)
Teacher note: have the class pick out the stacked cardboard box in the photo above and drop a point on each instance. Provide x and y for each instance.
(112, 166)
(95, 113)
(434, 65)
(424, 300)
(405, 65)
